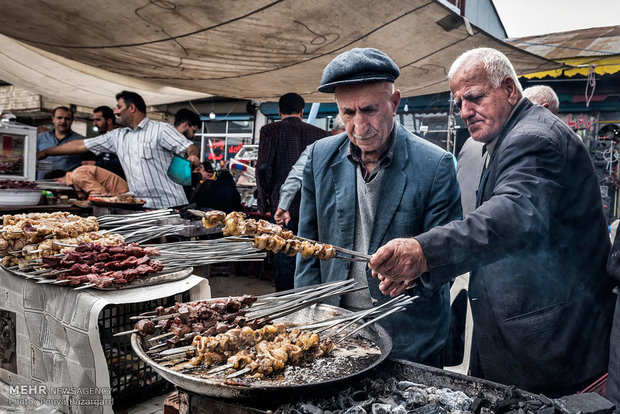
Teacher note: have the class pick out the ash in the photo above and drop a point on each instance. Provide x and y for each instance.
(392, 396)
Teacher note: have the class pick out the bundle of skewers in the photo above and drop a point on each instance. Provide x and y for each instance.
(238, 335)
(272, 237)
(205, 252)
(27, 237)
(92, 265)
(144, 226)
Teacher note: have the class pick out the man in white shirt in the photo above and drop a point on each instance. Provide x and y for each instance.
(145, 149)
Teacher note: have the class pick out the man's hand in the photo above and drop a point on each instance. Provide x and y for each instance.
(282, 217)
(41, 155)
(397, 264)
(194, 160)
(89, 162)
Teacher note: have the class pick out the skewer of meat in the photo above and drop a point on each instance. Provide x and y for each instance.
(269, 236)
(207, 317)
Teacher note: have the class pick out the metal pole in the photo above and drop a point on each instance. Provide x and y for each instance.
(313, 112)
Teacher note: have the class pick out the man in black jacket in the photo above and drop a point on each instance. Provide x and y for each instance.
(281, 144)
(536, 243)
(613, 380)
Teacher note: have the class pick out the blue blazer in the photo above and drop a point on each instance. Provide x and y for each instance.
(419, 191)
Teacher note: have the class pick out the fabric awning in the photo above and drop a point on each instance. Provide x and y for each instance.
(88, 51)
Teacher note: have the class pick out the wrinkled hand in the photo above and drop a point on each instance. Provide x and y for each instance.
(397, 265)
(282, 217)
(194, 160)
(89, 162)
(41, 155)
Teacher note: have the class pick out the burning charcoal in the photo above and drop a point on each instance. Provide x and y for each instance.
(387, 400)
(416, 397)
(355, 410)
(431, 409)
(453, 399)
(358, 396)
(403, 385)
(381, 408)
(343, 401)
(310, 409)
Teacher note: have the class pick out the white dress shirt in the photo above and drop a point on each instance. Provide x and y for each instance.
(145, 154)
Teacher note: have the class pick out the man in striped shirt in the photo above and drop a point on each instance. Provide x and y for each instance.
(145, 149)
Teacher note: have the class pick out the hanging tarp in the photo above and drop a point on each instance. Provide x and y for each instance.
(244, 49)
(580, 51)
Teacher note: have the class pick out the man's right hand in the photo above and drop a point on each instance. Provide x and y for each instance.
(282, 217)
(41, 155)
(397, 264)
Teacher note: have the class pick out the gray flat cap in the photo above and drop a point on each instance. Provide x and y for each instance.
(358, 66)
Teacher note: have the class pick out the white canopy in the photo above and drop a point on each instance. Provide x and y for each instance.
(85, 52)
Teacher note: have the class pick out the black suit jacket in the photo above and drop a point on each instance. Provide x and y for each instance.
(281, 144)
(537, 246)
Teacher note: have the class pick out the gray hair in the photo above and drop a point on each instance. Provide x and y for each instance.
(543, 94)
(338, 124)
(495, 63)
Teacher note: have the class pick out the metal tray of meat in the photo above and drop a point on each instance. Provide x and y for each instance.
(153, 279)
(350, 359)
(149, 280)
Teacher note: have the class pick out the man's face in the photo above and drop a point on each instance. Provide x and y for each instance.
(100, 122)
(484, 110)
(189, 131)
(62, 121)
(368, 111)
(123, 113)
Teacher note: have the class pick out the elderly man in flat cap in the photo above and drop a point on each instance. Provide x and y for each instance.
(371, 184)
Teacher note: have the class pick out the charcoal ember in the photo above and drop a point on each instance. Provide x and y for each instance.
(378, 408)
(432, 408)
(310, 409)
(399, 410)
(376, 388)
(358, 396)
(453, 399)
(416, 398)
(343, 401)
(403, 385)
(479, 403)
(355, 410)
(388, 400)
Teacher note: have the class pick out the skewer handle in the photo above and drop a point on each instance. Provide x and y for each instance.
(126, 332)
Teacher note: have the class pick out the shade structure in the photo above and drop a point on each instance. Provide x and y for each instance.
(242, 49)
